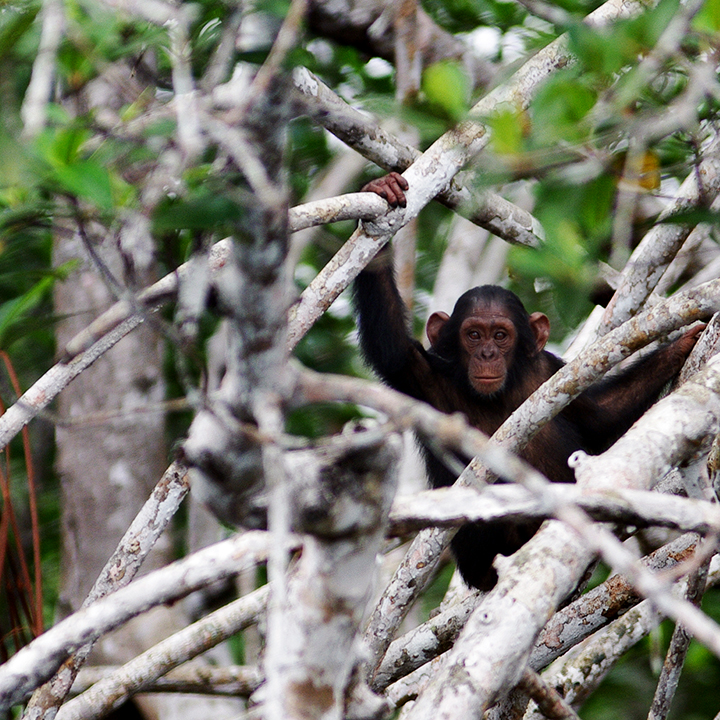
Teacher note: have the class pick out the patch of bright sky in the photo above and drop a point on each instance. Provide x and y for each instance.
(321, 49)
(484, 41)
(488, 42)
(378, 68)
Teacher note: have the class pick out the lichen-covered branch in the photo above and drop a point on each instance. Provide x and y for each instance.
(358, 131)
(676, 429)
(658, 248)
(114, 688)
(579, 674)
(120, 569)
(37, 661)
(454, 506)
(192, 678)
(677, 650)
(341, 497)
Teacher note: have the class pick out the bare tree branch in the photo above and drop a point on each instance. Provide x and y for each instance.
(232, 680)
(114, 688)
(677, 651)
(120, 569)
(660, 245)
(595, 657)
(455, 506)
(598, 654)
(674, 430)
(358, 131)
(325, 603)
(37, 661)
(188, 118)
(549, 701)
(565, 629)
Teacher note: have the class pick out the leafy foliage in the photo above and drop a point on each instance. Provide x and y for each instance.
(446, 90)
(571, 141)
(464, 15)
(577, 223)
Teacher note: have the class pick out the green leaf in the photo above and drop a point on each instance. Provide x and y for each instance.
(447, 89)
(15, 19)
(595, 50)
(87, 179)
(648, 28)
(14, 309)
(559, 110)
(708, 19)
(61, 147)
(605, 51)
(508, 130)
(205, 211)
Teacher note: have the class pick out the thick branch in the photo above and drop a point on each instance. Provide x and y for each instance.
(358, 131)
(455, 506)
(566, 629)
(120, 569)
(658, 248)
(37, 661)
(672, 431)
(110, 691)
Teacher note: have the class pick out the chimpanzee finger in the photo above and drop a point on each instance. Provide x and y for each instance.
(396, 177)
(375, 186)
(396, 183)
(390, 187)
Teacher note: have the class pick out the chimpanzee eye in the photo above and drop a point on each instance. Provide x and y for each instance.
(473, 335)
(500, 335)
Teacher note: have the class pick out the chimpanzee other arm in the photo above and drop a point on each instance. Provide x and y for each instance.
(382, 316)
(621, 400)
(383, 328)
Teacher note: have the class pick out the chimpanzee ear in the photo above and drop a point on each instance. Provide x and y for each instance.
(435, 325)
(540, 325)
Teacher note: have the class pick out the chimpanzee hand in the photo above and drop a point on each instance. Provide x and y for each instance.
(390, 187)
(686, 342)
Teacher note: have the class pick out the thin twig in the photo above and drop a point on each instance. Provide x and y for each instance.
(37, 661)
(120, 569)
(196, 678)
(549, 701)
(37, 615)
(112, 690)
(677, 651)
(284, 42)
